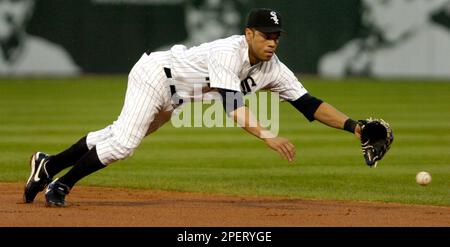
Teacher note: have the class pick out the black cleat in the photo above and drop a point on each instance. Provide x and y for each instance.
(38, 178)
(56, 193)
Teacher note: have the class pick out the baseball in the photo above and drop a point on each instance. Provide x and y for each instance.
(423, 178)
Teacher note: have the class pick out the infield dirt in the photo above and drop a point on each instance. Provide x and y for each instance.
(97, 206)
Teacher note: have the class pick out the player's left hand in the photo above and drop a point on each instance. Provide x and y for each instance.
(283, 146)
(376, 139)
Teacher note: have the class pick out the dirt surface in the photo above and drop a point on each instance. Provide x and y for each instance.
(94, 206)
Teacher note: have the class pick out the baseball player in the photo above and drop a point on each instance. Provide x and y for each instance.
(160, 81)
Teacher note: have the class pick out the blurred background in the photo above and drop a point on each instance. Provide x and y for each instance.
(373, 38)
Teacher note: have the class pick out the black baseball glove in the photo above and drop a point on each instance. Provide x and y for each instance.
(376, 139)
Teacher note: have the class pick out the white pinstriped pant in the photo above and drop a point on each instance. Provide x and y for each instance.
(147, 106)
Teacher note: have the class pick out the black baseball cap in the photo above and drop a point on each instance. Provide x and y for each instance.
(264, 20)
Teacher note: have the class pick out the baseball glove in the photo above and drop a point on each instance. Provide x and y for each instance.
(376, 139)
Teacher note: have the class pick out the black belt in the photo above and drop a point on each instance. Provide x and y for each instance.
(169, 76)
(173, 90)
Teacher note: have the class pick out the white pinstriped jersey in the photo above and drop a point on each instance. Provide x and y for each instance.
(221, 64)
(224, 63)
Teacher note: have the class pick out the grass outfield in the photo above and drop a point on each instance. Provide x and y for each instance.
(48, 115)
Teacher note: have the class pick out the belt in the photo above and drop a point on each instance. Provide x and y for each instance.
(173, 91)
(168, 73)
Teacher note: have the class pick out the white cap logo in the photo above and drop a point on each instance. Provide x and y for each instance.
(274, 17)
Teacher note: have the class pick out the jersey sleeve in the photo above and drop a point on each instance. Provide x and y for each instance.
(287, 84)
(223, 70)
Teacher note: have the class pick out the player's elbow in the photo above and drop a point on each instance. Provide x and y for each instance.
(232, 100)
(307, 105)
(236, 113)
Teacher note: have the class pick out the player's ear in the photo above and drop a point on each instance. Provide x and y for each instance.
(248, 34)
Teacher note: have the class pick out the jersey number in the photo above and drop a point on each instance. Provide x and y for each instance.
(245, 85)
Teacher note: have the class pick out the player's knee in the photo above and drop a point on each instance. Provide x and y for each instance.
(110, 152)
(121, 152)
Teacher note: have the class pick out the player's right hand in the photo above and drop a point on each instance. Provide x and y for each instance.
(283, 146)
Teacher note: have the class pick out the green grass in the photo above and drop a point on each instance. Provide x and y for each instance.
(51, 114)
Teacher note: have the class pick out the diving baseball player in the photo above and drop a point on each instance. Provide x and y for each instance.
(160, 81)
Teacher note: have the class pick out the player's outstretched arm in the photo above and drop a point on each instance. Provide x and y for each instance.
(330, 116)
(244, 117)
(315, 109)
(233, 104)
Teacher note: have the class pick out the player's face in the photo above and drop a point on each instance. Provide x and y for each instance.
(13, 15)
(261, 46)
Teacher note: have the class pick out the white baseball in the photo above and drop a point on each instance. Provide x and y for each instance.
(423, 178)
